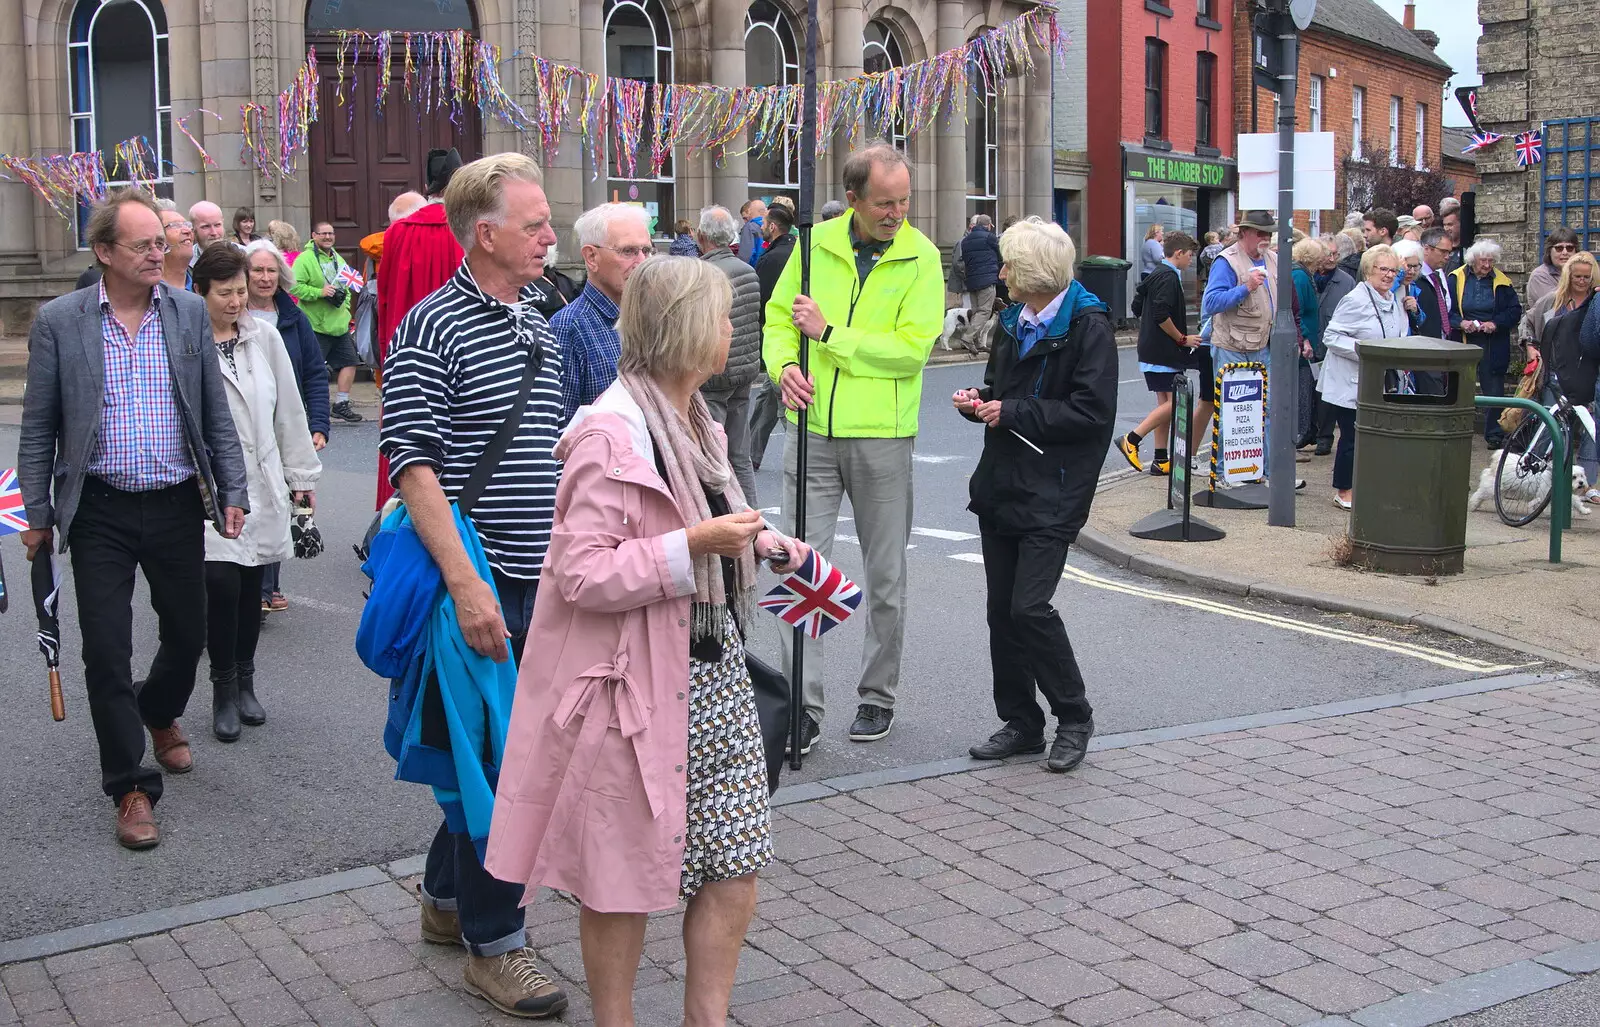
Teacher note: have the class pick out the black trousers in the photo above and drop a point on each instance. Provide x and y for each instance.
(162, 533)
(1028, 645)
(233, 612)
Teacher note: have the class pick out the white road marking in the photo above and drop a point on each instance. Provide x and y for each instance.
(948, 536)
(1427, 654)
(318, 604)
(934, 458)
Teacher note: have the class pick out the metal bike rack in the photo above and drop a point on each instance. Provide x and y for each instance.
(1560, 513)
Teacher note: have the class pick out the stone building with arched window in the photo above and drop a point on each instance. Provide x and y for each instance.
(78, 75)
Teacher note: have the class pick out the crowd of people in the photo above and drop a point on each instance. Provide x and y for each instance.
(597, 441)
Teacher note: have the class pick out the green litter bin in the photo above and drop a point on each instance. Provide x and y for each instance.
(1414, 418)
(1107, 278)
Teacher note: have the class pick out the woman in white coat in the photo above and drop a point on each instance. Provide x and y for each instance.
(1370, 311)
(282, 469)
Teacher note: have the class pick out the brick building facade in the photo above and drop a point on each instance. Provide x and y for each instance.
(1364, 77)
(1160, 137)
(1540, 66)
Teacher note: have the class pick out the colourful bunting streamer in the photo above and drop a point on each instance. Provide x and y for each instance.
(183, 126)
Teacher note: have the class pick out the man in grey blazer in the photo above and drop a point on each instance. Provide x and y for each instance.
(125, 415)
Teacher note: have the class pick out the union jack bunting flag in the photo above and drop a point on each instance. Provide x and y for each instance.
(12, 516)
(815, 598)
(1480, 140)
(352, 278)
(1530, 148)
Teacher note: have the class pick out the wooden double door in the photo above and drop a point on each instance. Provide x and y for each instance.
(359, 163)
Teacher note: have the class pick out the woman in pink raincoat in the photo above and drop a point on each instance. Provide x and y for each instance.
(634, 774)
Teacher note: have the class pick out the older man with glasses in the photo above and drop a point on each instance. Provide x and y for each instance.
(615, 239)
(125, 415)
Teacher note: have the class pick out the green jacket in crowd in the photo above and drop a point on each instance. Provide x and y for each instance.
(326, 318)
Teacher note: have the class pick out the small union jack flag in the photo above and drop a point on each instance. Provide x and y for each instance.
(350, 277)
(815, 598)
(1530, 148)
(1481, 140)
(12, 516)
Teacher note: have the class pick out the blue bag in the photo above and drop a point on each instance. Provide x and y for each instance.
(405, 589)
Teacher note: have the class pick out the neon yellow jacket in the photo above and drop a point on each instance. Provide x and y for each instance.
(869, 372)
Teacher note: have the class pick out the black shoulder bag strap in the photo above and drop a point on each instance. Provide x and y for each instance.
(495, 451)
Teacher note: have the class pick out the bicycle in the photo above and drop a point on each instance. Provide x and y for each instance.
(1525, 475)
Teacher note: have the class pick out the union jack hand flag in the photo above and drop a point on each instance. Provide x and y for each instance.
(12, 516)
(1481, 140)
(1530, 148)
(815, 598)
(352, 278)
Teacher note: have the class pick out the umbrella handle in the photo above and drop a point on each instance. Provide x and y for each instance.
(58, 705)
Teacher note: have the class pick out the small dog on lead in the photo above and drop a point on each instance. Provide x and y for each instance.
(955, 321)
(1518, 483)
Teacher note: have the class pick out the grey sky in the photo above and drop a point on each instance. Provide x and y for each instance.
(1456, 22)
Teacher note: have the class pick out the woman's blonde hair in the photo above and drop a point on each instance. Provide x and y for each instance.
(1357, 240)
(1372, 255)
(1308, 252)
(283, 236)
(1039, 258)
(1564, 287)
(1150, 233)
(671, 318)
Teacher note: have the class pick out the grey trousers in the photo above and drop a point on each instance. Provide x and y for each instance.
(876, 475)
(731, 409)
(975, 336)
(766, 408)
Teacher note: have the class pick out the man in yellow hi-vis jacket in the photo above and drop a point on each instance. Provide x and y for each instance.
(875, 309)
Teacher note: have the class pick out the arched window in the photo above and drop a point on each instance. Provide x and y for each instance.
(983, 145)
(880, 51)
(771, 58)
(639, 46)
(117, 64)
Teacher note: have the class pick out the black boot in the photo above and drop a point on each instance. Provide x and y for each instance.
(225, 703)
(250, 710)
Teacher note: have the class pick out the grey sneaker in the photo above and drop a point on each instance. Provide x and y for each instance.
(344, 412)
(871, 723)
(513, 984)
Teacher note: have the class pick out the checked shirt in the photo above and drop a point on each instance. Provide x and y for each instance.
(141, 446)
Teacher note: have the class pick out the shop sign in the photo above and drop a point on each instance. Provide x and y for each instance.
(1202, 174)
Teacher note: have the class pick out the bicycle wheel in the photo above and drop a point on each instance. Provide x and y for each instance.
(1524, 473)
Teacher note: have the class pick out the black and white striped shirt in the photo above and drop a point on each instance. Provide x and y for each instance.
(450, 378)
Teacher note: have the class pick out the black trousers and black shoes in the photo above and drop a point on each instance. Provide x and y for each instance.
(233, 618)
(1029, 652)
(115, 533)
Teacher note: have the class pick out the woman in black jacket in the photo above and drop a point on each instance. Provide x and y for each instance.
(1049, 402)
(268, 276)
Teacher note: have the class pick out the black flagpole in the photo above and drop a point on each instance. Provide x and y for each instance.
(808, 189)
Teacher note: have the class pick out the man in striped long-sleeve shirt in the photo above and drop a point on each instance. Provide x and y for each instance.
(451, 378)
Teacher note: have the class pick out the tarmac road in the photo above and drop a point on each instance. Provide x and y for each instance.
(312, 791)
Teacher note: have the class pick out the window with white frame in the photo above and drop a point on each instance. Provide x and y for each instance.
(983, 147)
(639, 46)
(771, 58)
(881, 50)
(1358, 104)
(1315, 99)
(1422, 136)
(117, 64)
(1394, 130)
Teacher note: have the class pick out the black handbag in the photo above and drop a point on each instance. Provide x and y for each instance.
(772, 707)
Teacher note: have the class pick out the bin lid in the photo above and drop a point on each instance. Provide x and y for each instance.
(1417, 348)
(1116, 263)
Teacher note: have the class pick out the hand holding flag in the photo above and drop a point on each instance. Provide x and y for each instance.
(350, 278)
(814, 598)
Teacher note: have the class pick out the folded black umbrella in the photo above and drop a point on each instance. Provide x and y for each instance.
(46, 603)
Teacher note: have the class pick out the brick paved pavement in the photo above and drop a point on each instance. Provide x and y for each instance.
(1290, 874)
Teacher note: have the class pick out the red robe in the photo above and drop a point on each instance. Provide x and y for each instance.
(419, 255)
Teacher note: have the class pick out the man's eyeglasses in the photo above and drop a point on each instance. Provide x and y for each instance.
(170, 225)
(142, 249)
(630, 252)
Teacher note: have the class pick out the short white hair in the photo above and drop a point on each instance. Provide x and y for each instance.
(593, 226)
(405, 204)
(477, 192)
(1405, 249)
(719, 226)
(285, 276)
(162, 203)
(1039, 257)
(203, 206)
(1483, 248)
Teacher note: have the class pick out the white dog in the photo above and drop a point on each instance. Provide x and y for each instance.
(955, 321)
(1517, 483)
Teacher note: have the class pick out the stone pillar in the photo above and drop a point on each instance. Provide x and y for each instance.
(730, 182)
(17, 240)
(565, 171)
(592, 48)
(1038, 157)
(950, 136)
(849, 27)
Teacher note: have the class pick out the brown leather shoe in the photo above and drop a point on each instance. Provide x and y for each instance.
(136, 822)
(172, 748)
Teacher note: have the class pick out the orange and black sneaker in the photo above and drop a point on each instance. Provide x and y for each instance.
(1130, 451)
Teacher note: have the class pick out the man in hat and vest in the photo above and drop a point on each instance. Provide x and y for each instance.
(1241, 300)
(420, 254)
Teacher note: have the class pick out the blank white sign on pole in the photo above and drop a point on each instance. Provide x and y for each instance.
(1314, 171)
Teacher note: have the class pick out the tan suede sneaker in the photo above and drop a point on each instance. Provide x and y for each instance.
(513, 984)
(440, 926)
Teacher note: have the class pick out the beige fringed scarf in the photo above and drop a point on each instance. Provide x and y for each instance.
(695, 461)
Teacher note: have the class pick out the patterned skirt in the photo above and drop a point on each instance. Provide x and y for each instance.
(729, 832)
